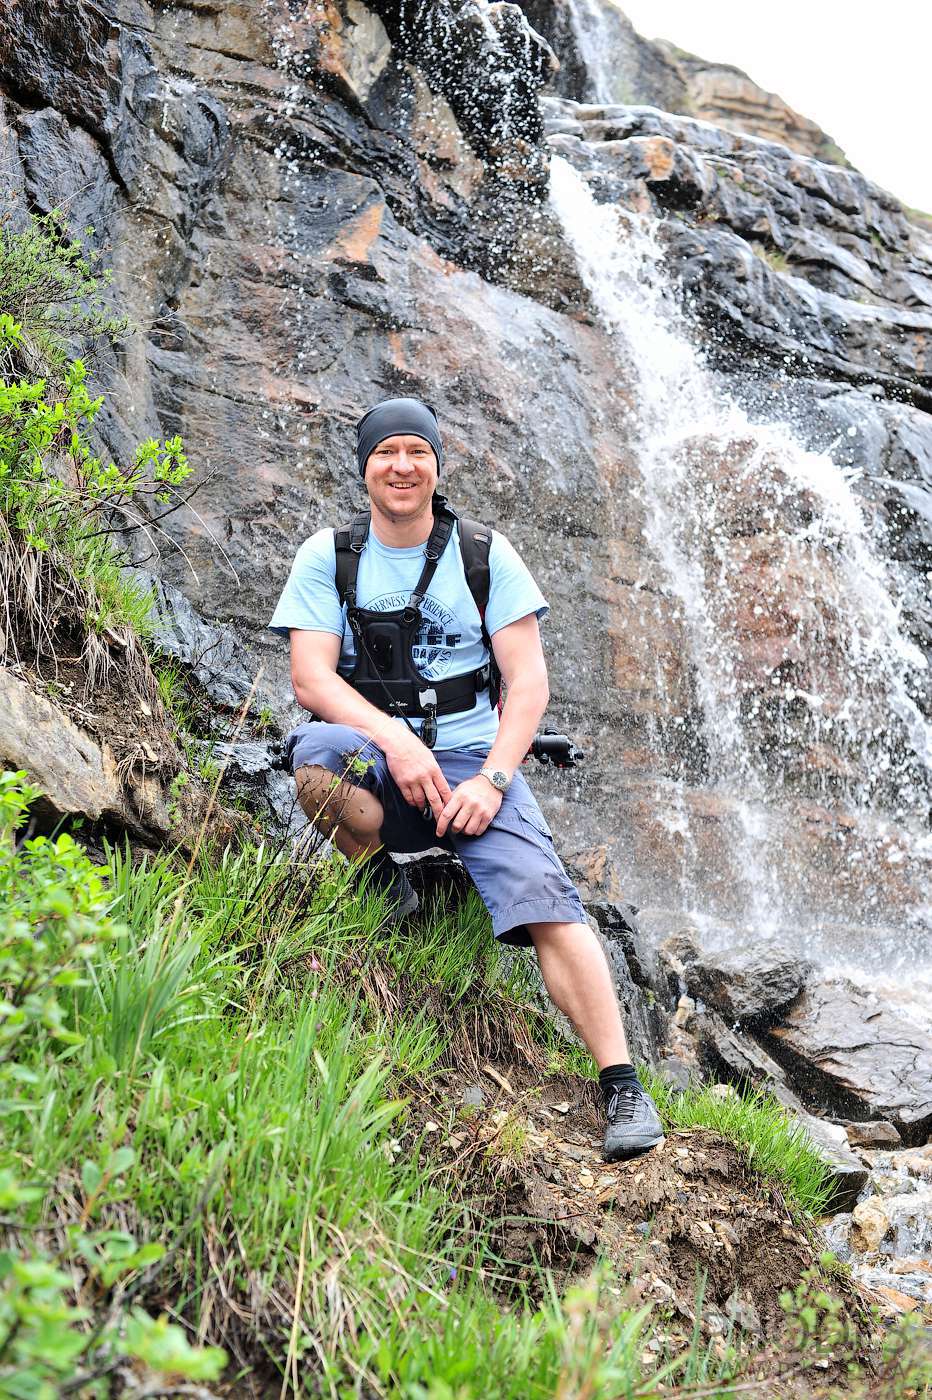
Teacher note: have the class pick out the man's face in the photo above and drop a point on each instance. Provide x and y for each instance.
(401, 475)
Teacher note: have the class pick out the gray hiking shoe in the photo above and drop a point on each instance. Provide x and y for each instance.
(382, 876)
(632, 1124)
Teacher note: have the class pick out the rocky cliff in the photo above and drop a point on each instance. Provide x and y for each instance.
(604, 59)
(307, 208)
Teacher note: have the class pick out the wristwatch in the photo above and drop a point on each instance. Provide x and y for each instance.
(496, 777)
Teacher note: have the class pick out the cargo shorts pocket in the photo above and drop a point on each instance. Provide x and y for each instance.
(534, 818)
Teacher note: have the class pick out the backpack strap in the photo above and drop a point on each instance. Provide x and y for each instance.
(475, 544)
(349, 542)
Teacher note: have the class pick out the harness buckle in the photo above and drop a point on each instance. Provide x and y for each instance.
(428, 698)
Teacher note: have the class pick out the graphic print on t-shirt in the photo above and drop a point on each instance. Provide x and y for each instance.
(438, 634)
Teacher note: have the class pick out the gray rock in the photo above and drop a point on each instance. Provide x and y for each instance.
(856, 1057)
(220, 661)
(255, 772)
(749, 982)
(848, 1173)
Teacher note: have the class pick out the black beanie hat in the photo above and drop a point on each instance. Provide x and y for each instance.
(396, 416)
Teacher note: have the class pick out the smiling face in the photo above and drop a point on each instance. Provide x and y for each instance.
(401, 476)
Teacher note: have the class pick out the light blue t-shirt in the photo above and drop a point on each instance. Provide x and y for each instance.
(449, 642)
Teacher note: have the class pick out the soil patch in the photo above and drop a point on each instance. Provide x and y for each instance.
(529, 1157)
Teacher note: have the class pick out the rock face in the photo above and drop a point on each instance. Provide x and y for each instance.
(725, 96)
(78, 775)
(783, 255)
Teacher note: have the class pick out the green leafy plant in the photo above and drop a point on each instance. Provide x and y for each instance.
(55, 925)
(52, 293)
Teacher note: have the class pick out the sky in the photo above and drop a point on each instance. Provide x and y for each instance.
(862, 72)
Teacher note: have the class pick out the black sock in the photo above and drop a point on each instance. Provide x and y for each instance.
(614, 1077)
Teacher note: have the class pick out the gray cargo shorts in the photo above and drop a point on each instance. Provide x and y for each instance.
(513, 864)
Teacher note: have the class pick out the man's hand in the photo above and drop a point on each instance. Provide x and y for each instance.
(417, 772)
(471, 807)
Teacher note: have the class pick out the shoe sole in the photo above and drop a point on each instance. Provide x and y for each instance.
(630, 1154)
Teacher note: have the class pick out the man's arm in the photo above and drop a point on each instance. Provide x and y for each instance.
(318, 687)
(520, 658)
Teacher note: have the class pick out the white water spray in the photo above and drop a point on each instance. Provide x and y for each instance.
(805, 679)
(594, 46)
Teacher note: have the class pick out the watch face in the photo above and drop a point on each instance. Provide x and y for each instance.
(500, 779)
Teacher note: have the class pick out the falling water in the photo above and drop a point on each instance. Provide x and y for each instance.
(594, 45)
(805, 679)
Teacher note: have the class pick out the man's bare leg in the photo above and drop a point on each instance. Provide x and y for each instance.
(577, 977)
(349, 816)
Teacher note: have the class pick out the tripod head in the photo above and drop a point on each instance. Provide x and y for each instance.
(556, 749)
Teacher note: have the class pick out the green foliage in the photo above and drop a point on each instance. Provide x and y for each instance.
(55, 930)
(53, 917)
(55, 492)
(235, 1071)
(52, 293)
(774, 1145)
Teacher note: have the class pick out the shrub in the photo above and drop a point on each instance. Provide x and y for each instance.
(51, 293)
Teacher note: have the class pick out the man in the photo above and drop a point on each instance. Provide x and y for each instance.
(387, 651)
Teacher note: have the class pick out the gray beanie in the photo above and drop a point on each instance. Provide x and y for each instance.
(396, 416)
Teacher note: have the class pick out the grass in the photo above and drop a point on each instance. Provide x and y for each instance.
(241, 1051)
(774, 259)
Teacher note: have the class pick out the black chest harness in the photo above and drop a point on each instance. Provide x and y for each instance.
(385, 672)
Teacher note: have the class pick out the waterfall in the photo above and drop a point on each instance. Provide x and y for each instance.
(805, 681)
(594, 46)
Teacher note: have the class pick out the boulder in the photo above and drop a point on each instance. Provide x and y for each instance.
(750, 982)
(79, 777)
(869, 1225)
(875, 1133)
(855, 1057)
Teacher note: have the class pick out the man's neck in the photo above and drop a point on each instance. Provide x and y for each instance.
(402, 534)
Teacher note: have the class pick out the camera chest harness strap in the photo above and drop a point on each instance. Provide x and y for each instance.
(385, 672)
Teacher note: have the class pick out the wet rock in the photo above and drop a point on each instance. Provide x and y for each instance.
(877, 1133)
(869, 1224)
(618, 923)
(836, 1233)
(794, 259)
(220, 661)
(602, 56)
(749, 982)
(489, 64)
(79, 777)
(854, 1056)
(728, 1052)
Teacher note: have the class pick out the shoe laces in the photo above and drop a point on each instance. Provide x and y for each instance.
(622, 1106)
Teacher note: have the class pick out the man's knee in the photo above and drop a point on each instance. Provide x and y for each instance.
(330, 802)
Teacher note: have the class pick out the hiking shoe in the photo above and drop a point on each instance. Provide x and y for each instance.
(382, 876)
(632, 1124)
